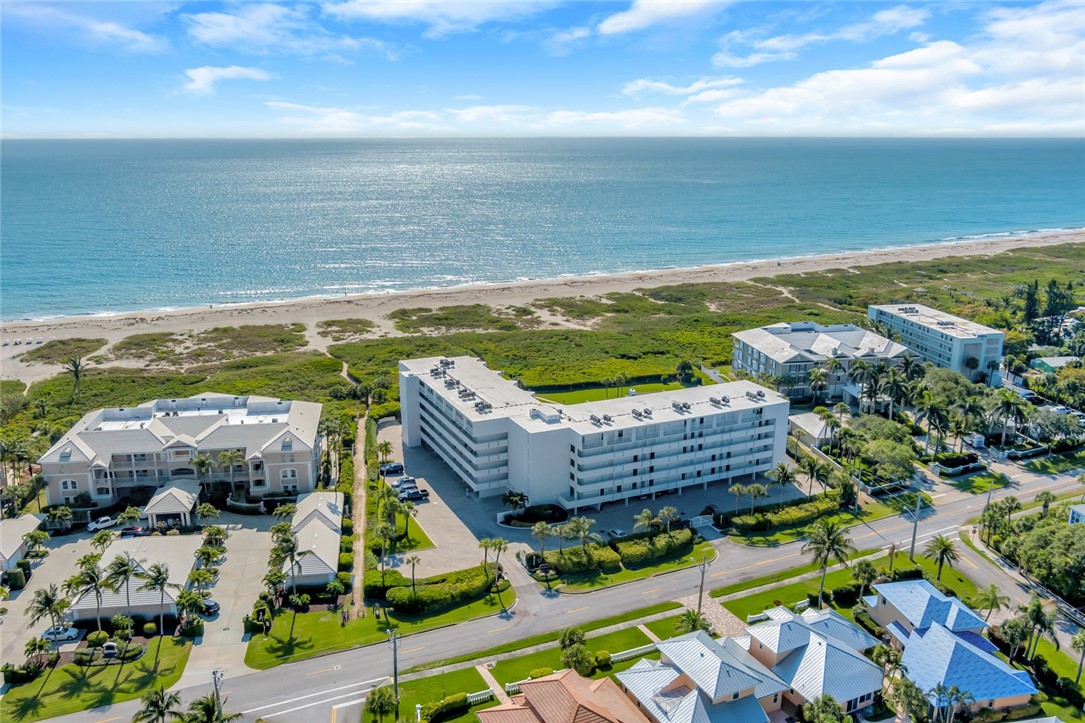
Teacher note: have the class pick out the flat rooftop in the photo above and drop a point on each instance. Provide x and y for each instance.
(940, 320)
(808, 341)
(509, 400)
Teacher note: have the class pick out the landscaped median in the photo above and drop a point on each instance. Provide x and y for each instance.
(591, 566)
(72, 687)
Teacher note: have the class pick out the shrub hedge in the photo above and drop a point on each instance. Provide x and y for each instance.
(578, 559)
(15, 579)
(150, 630)
(446, 707)
(97, 639)
(346, 561)
(540, 673)
(799, 514)
(638, 552)
(430, 593)
(846, 595)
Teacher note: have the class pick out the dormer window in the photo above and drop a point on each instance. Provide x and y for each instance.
(288, 443)
(66, 455)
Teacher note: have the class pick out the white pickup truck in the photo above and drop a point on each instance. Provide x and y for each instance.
(101, 523)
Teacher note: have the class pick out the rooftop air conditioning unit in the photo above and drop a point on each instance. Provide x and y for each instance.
(725, 399)
(637, 414)
(607, 419)
(595, 419)
(647, 412)
(760, 393)
(685, 406)
(714, 400)
(677, 406)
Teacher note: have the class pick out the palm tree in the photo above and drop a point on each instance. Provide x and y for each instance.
(754, 491)
(202, 463)
(484, 545)
(200, 578)
(889, 658)
(1010, 505)
(990, 599)
(47, 603)
(228, 459)
(190, 602)
(580, 528)
(384, 449)
(895, 386)
(561, 532)
(942, 550)
(1009, 407)
(690, 621)
(540, 531)
(857, 372)
(782, 476)
(1016, 631)
(823, 709)
(931, 409)
(386, 534)
(215, 536)
(667, 515)
(61, 516)
(832, 425)
(130, 514)
(37, 647)
(35, 539)
(208, 709)
(825, 541)
(381, 702)
(1078, 644)
(644, 519)
(514, 500)
(407, 510)
(287, 550)
(285, 512)
(810, 466)
(413, 561)
(102, 539)
(90, 580)
(159, 707)
(864, 573)
(74, 366)
(207, 511)
(1045, 498)
(816, 378)
(1041, 623)
(156, 578)
(958, 427)
(207, 556)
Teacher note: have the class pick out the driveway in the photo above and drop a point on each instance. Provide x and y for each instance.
(64, 550)
(241, 576)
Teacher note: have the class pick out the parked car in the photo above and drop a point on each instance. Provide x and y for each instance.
(616, 533)
(211, 607)
(109, 650)
(135, 532)
(404, 483)
(61, 632)
(414, 495)
(101, 523)
(390, 468)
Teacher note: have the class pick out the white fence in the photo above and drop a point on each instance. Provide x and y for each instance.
(702, 521)
(479, 697)
(514, 688)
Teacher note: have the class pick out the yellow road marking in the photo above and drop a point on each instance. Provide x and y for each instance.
(107, 720)
(575, 610)
(970, 562)
(414, 650)
(503, 627)
(756, 564)
(654, 589)
(333, 714)
(323, 670)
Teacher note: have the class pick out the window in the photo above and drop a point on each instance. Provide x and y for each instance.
(258, 483)
(69, 484)
(288, 474)
(102, 491)
(734, 696)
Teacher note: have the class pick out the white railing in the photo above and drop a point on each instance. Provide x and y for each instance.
(482, 695)
(702, 521)
(756, 617)
(514, 688)
(633, 653)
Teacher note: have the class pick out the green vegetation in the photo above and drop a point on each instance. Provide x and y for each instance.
(664, 628)
(314, 633)
(1049, 548)
(514, 669)
(345, 329)
(551, 637)
(594, 394)
(597, 579)
(980, 482)
(1057, 463)
(435, 687)
(57, 351)
(72, 688)
(471, 317)
(212, 345)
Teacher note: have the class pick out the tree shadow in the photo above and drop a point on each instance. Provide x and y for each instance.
(288, 647)
(79, 683)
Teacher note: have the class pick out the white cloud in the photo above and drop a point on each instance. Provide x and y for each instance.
(562, 41)
(202, 80)
(100, 31)
(643, 14)
(641, 119)
(263, 27)
(889, 21)
(492, 113)
(642, 85)
(443, 17)
(317, 120)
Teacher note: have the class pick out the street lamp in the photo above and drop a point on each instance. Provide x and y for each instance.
(393, 641)
(218, 675)
(915, 522)
(704, 564)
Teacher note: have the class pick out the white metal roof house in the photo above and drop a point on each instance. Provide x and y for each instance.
(177, 552)
(113, 453)
(177, 500)
(1077, 515)
(12, 547)
(317, 525)
(789, 350)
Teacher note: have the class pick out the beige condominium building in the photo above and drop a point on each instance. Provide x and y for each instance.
(944, 340)
(111, 453)
(498, 437)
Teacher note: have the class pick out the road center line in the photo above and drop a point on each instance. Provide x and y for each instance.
(412, 650)
(574, 610)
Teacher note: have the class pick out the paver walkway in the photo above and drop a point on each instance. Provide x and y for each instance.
(723, 621)
(497, 688)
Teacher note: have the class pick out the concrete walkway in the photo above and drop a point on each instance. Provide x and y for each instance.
(491, 681)
(647, 631)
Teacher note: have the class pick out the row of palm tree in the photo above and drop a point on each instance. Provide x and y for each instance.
(158, 706)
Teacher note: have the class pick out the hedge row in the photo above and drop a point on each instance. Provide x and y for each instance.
(579, 559)
(638, 552)
(444, 708)
(387, 409)
(372, 464)
(430, 593)
(800, 514)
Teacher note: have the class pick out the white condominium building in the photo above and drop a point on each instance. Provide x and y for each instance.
(498, 437)
(109, 453)
(790, 350)
(944, 340)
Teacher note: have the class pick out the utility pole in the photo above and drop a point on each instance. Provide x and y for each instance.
(704, 565)
(393, 640)
(217, 676)
(915, 522)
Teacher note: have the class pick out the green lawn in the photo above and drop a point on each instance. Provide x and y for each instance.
(979, 482)
(434, 687)
(552, 636)
(72, 688)
(315, 633)
(594, 580)
(418, 539)
(1057, 463)
(514, 669)
(664, 628)
(595, 394)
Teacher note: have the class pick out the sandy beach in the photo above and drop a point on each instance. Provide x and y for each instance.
(376, 307)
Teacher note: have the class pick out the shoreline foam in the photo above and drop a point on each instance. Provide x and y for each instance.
(376, 306)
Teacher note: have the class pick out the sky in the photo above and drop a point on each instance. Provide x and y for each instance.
(445, 68)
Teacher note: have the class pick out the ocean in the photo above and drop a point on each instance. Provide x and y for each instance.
(108, 226)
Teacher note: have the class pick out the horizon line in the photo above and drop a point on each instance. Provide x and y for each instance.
(543, 137)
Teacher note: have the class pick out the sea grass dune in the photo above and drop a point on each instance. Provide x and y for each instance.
(377, 308)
